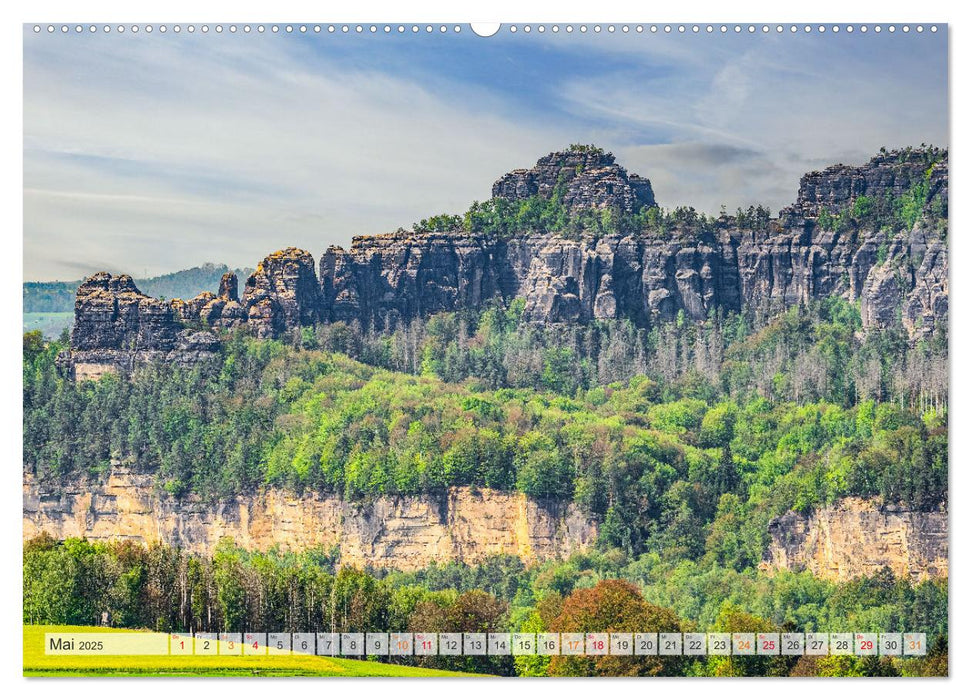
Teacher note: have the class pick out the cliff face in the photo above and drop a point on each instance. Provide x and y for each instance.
(403, 532)
(382, 281)
(888, 174)
(385, 280)
(282, 293)
(117, 327)
(588, 178)
(850, 539)
(856, 538)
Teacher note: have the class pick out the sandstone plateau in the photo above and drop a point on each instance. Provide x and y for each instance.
(382, 281)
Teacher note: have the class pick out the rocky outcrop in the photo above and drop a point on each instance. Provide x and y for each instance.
(220, 311)
(648, 277)
(587, 178)
(111, 312)
(385, 280)
(852, 538)
(889, 174)
(229, 287)
(117, 327)
(392, 278)
(856, 537)
(381, 281)
(390, 532)
(282, 293)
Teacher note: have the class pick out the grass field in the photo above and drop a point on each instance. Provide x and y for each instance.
(36, 663)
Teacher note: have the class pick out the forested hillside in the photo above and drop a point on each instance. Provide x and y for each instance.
(662, 435)
(165, 589)
(681, 381)
(684, 443)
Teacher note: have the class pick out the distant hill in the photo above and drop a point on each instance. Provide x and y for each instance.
(49, 323)
(58, 297)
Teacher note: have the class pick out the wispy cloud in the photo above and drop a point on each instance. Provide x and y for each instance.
(743, 126)
(160, 152)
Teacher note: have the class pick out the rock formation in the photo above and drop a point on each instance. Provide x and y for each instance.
(588, 177)
(852, 538)
(890, 174)
(118, 327)
(384, 280)
(282, 293)
(856, 537)
(397, 532)
(229, 287)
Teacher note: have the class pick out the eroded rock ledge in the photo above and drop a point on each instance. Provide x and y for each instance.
(394, 532)
(852, 538)
(856, 537)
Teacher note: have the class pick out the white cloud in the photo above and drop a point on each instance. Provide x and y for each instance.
(769, 111)
(155, 153)
(157, 159)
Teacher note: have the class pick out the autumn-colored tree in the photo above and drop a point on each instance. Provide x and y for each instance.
(733, 620)
(614, 606)
(549, 608)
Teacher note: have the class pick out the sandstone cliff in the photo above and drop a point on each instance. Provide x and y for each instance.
(856, 537)
(853, 538)
(588, 178)
(384, 280)
(890, 173)
(121, 327)
(283, 292)
(401, 532)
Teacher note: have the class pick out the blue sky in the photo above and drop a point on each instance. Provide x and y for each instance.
(150, 153)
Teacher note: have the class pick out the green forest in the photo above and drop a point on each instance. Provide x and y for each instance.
(165, 589)
(658, 433)
(683, 442)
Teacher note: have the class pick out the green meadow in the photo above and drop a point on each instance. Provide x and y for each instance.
(36, 663)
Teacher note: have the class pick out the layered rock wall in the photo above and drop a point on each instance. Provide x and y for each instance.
(117, 327)
(385, 280)
(856, 537)
(852, 538)
(391, 532)
(382, 281)
(889, 174)
(282, 293)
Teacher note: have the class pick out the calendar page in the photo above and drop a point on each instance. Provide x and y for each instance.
(520, 349)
